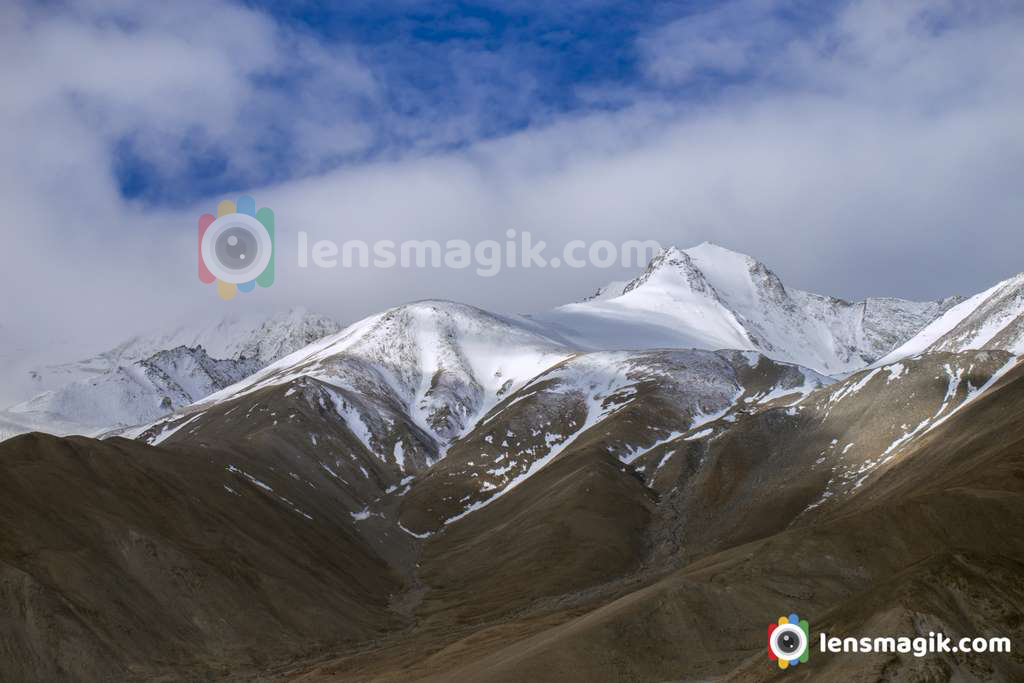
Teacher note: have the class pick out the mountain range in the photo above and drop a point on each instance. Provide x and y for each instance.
(150, 375)
(625, 488)
(706, 297)
(712, 298)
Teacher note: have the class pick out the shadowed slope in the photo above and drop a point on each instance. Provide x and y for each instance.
(122, 561)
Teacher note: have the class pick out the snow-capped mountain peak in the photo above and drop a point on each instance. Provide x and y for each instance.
(710, 297)
(445, 363)
(263, 338)
(150, 375)
(744, 281)
(673, 269)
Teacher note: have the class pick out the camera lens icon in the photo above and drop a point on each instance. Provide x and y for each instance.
(236, 248)
(788, 641)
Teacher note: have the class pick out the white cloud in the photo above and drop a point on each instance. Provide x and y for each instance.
(879, 154)
(727, 39)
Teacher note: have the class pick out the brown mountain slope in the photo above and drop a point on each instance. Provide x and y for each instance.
(708, 621)
(263, 533)
(519, 565)
(933, 540)
(121, 561)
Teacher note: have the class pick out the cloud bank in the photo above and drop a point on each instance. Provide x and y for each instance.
(861, 148)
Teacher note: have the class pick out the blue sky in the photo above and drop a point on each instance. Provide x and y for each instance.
(493, 68)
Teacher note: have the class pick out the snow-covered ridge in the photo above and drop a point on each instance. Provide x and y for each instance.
(149, 376)
(709, 297)
(445, 363)
(629, 402)
(990, 320)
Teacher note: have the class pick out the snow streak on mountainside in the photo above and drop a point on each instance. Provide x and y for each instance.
(711, 298)
(149, 376)
(619, 403)
(991, 320)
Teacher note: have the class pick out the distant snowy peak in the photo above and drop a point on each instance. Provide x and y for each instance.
(709, 297)
(260, 338)
(151, 375)
(990, 320)
(131, 394)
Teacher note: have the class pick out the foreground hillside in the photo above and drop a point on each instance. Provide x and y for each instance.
(636, 552)
(582, 574)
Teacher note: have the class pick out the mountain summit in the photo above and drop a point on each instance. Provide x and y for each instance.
(710, 297)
